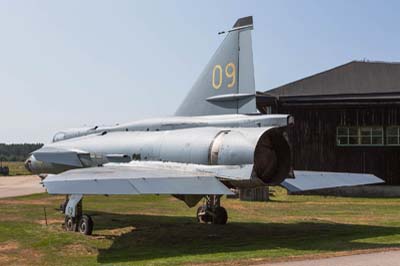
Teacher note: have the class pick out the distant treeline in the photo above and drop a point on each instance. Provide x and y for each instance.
(17, 152)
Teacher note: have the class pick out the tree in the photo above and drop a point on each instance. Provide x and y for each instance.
(17, 152)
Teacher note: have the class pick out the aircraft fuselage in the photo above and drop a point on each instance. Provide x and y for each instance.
(214, 140)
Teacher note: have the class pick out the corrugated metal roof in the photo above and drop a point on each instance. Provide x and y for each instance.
(355, 77)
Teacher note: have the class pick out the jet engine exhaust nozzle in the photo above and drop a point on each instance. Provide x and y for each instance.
(272, 157)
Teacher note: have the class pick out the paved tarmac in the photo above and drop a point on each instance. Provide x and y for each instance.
(11, 186)
(388, 258)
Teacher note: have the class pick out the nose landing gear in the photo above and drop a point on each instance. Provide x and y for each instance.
(212, 211)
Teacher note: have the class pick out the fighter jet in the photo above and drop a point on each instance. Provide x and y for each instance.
(215, 142)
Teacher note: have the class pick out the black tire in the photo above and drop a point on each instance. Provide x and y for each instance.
(221, 216)
(85, 225)
(70, 224)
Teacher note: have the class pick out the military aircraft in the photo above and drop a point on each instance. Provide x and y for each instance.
(215, 142)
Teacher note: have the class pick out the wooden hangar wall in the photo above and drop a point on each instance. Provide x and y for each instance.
(341, 132)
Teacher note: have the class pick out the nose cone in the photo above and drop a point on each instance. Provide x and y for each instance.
(32, 165)
(28, 164)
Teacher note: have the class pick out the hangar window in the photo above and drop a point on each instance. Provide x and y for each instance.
(393, 135)
(371, 135)
(268, 110)
(346, 136)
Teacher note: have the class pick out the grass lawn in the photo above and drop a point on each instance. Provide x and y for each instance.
(160, 230)
(16, 168)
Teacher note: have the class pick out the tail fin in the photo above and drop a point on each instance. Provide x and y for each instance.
(226, 85)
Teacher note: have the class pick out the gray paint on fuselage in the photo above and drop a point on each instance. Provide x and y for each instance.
(191, 145)
(185, 145)
(177, 122)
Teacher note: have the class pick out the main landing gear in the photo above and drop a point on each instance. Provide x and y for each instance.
(75, 220)
(211, 211)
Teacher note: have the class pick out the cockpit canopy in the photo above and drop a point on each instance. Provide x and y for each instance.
(74, 133)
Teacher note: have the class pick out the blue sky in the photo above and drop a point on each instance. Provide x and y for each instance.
(75, 63)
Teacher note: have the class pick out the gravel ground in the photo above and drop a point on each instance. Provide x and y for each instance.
(11, 186)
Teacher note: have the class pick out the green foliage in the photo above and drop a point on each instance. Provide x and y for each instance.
(17, 152)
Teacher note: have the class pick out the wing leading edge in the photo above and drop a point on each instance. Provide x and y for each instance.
(185, 179)
(118, 179)
(310, 180)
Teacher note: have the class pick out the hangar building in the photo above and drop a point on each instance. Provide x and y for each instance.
(347, 119)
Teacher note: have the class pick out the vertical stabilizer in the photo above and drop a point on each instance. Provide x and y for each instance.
(226, 85)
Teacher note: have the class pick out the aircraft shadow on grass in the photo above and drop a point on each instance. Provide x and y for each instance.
(157, 237)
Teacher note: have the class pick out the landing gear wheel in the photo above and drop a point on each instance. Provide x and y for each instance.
(202, 215)
(70, 224)
(220, 215)
(85, 225)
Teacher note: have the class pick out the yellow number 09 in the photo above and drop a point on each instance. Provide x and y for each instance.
(230, 72)
(214, 84)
